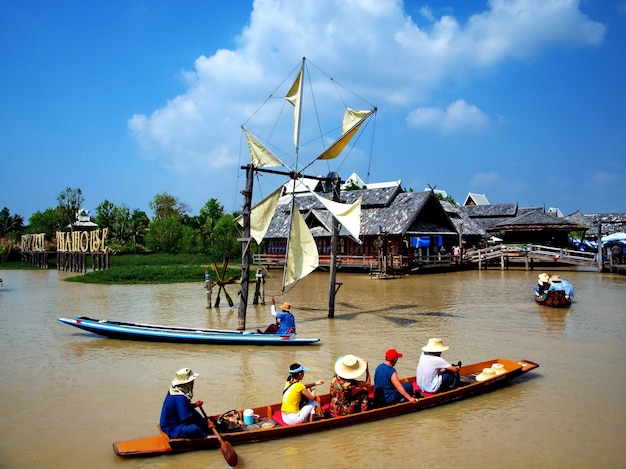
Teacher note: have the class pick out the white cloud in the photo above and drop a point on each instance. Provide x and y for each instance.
(394, 60)
(457, 117)
(483, 179)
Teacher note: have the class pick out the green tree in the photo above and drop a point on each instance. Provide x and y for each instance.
(105, 214)
(10, 223)
(209, 216)
(70, 201)
(223, 239)
(138, 226)
(165, 205)
(165, 235)
(50, 221)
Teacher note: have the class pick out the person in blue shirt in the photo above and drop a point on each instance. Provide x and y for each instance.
(285, 321)
(387, 386)
(179, 418)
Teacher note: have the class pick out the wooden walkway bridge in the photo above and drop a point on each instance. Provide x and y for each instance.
(529, 254)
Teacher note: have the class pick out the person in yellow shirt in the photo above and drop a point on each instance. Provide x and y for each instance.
(299, 402)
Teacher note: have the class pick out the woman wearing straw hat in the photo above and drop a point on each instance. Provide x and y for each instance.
(179, 418)
(285, 322)
(434, 374)
(297, 393)
(347, 394)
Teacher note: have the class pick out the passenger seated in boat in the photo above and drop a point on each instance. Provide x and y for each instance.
(434, 374)
(387, 386)
(347, 394)
(299, 402)
(285, 321)
(542, 283)
(555, 283)
(179, 418)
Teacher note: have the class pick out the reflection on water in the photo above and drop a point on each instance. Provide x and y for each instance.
(84, 392)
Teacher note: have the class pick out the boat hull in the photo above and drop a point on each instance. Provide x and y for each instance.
(554, 299)
(155, 333)
(161, 444)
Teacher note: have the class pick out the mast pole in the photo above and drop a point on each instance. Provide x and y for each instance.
(245, 248)
(296, 172)
(335, 181)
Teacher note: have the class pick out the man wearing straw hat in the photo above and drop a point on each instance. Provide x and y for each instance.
(285, 322)
(434, 374)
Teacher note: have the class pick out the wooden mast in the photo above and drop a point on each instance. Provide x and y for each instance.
(245, 248)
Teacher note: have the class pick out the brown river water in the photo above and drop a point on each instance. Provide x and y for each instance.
(67, 395)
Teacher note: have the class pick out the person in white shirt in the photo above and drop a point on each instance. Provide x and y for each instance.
(434, 374)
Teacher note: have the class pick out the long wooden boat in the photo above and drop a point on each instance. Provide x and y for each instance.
(269, 427)
(156, 333)
(553, 298)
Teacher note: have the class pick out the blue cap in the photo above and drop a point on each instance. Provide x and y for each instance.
(297, 368)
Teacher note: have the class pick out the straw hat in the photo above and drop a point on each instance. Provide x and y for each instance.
(435, 345)
(183, 376)
(498, 368)
(543, 278)
(286, 307)
(555, 278)
(350, 367)
(488, 373)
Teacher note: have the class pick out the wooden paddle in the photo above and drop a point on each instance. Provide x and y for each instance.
(227, 450)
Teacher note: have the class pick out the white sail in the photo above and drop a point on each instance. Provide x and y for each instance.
(349, 215)
(261, 215)
(294, 96)
(302, 256)
(259, 155)
(352, 117)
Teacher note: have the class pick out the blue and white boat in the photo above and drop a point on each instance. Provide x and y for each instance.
(156, 333)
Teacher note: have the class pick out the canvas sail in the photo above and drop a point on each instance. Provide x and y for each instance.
(259, 155)
(294, 96)
(349, 215)
(302, 256)
(356, 118)
(261, 215)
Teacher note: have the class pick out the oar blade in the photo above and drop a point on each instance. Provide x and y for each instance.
(229, 453)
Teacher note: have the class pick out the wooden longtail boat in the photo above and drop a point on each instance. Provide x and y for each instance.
(553, 298)
(268, 428)
(155, 333)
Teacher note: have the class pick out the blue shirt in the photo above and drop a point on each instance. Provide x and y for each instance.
(287, 322)
(384, 390)
(176, 412)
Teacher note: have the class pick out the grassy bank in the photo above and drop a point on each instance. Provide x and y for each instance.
(149, 269)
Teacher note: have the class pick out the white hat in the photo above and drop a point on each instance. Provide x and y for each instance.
(435, 345)
(543, 278)
(488, 373)
(183, 376)
(498, 368)
(350, 367)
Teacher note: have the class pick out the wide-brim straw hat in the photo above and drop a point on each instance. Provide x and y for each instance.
(286, 307)
(183, 376)
(555, 278)
(435, 345)
(498, 368)
(350, 367)
(543, 278)
(488, 373)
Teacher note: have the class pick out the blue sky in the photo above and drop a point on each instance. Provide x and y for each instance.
(520, 100)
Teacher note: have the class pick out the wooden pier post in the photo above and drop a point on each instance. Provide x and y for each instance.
(259, 288)
(208, 287)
